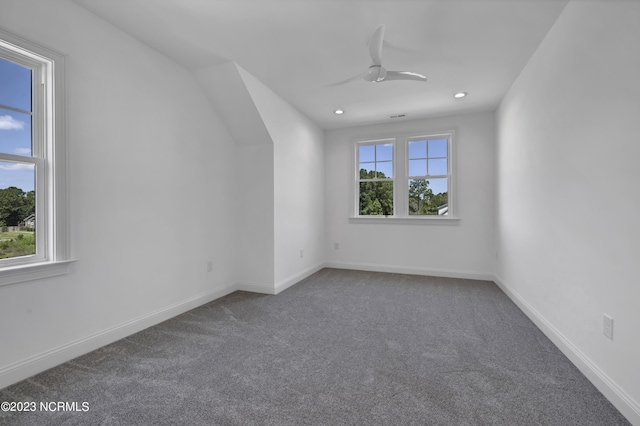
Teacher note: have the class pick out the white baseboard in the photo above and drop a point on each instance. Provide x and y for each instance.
(375, 267)
(281, 285)
(31, 366)
(609, 388)
(256, 287)
(26, 368)
(296, 278)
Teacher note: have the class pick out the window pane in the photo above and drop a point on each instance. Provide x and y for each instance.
(418, 149)
(438, 166)
(15, 132)
(367, 170)
(20, 175)
(385, 169)
(367, 153)
(437, 148)
(15, 85)
(428, 197)
(376, 198)
(439, 185)
(384, 152)
(417, 167)
(17, 209)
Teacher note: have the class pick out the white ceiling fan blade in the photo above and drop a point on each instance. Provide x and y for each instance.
(404, 75)
(355, 77)
(375, 45)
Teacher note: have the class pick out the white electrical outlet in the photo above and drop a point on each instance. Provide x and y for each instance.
(210, 266)
(336, 246)
(607, 326)
(301, 253)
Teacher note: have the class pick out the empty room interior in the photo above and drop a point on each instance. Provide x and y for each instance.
(407, 183)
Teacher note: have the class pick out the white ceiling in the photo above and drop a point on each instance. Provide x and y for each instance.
(298, 47)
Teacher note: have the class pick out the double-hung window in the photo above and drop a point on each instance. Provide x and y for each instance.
(375, 178)
(405, 177)
(33, 228)
(428, 175)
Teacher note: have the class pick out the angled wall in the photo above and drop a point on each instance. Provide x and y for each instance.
(298, 146)
(252, 178)
(224, 86)
(279, 175)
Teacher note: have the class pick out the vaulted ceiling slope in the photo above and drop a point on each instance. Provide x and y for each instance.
(299, 48)
(227, 91)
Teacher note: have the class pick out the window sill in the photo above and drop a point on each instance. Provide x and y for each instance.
(421, 220)
(34, 271)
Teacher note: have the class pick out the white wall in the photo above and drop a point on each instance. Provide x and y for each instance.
(567, 199)
(254, 233)
(149, 156)
(278, 180)
(149, 188)
(225, 87)
(298, 181)
(462, 249)
(252, 178)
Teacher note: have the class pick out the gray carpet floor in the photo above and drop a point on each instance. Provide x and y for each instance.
(339, 348)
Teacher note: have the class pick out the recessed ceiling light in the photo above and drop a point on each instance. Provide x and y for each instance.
(338, 111)
(460, 95)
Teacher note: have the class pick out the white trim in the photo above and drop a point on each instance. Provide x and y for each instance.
(33, 271)
(49, 153)
(449, 136)
(400, 178)
(256, 287)
(609, 388)
(18, 158)
(26, 368)
(21, 370)
(413, 220)
(281, 285)
(395, 269)
(296, 278)
(392, 179)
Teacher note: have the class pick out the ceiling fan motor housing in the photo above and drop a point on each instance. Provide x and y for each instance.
(375, 73)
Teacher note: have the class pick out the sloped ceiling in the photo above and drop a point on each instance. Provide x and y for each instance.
(224, 86)
(298, 48)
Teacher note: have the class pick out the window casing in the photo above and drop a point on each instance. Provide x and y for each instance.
(428, 175)
(374, 178)
(33, 105)
(422, 182)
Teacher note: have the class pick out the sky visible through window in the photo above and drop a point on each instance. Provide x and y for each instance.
(15, 125)
(428, 158)
(377, 158)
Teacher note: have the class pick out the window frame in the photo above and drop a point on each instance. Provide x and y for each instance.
(376, 179)
(401, 180)
(449, 176)
(49, 157)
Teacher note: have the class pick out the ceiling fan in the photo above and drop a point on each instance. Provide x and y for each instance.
(376, 73)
